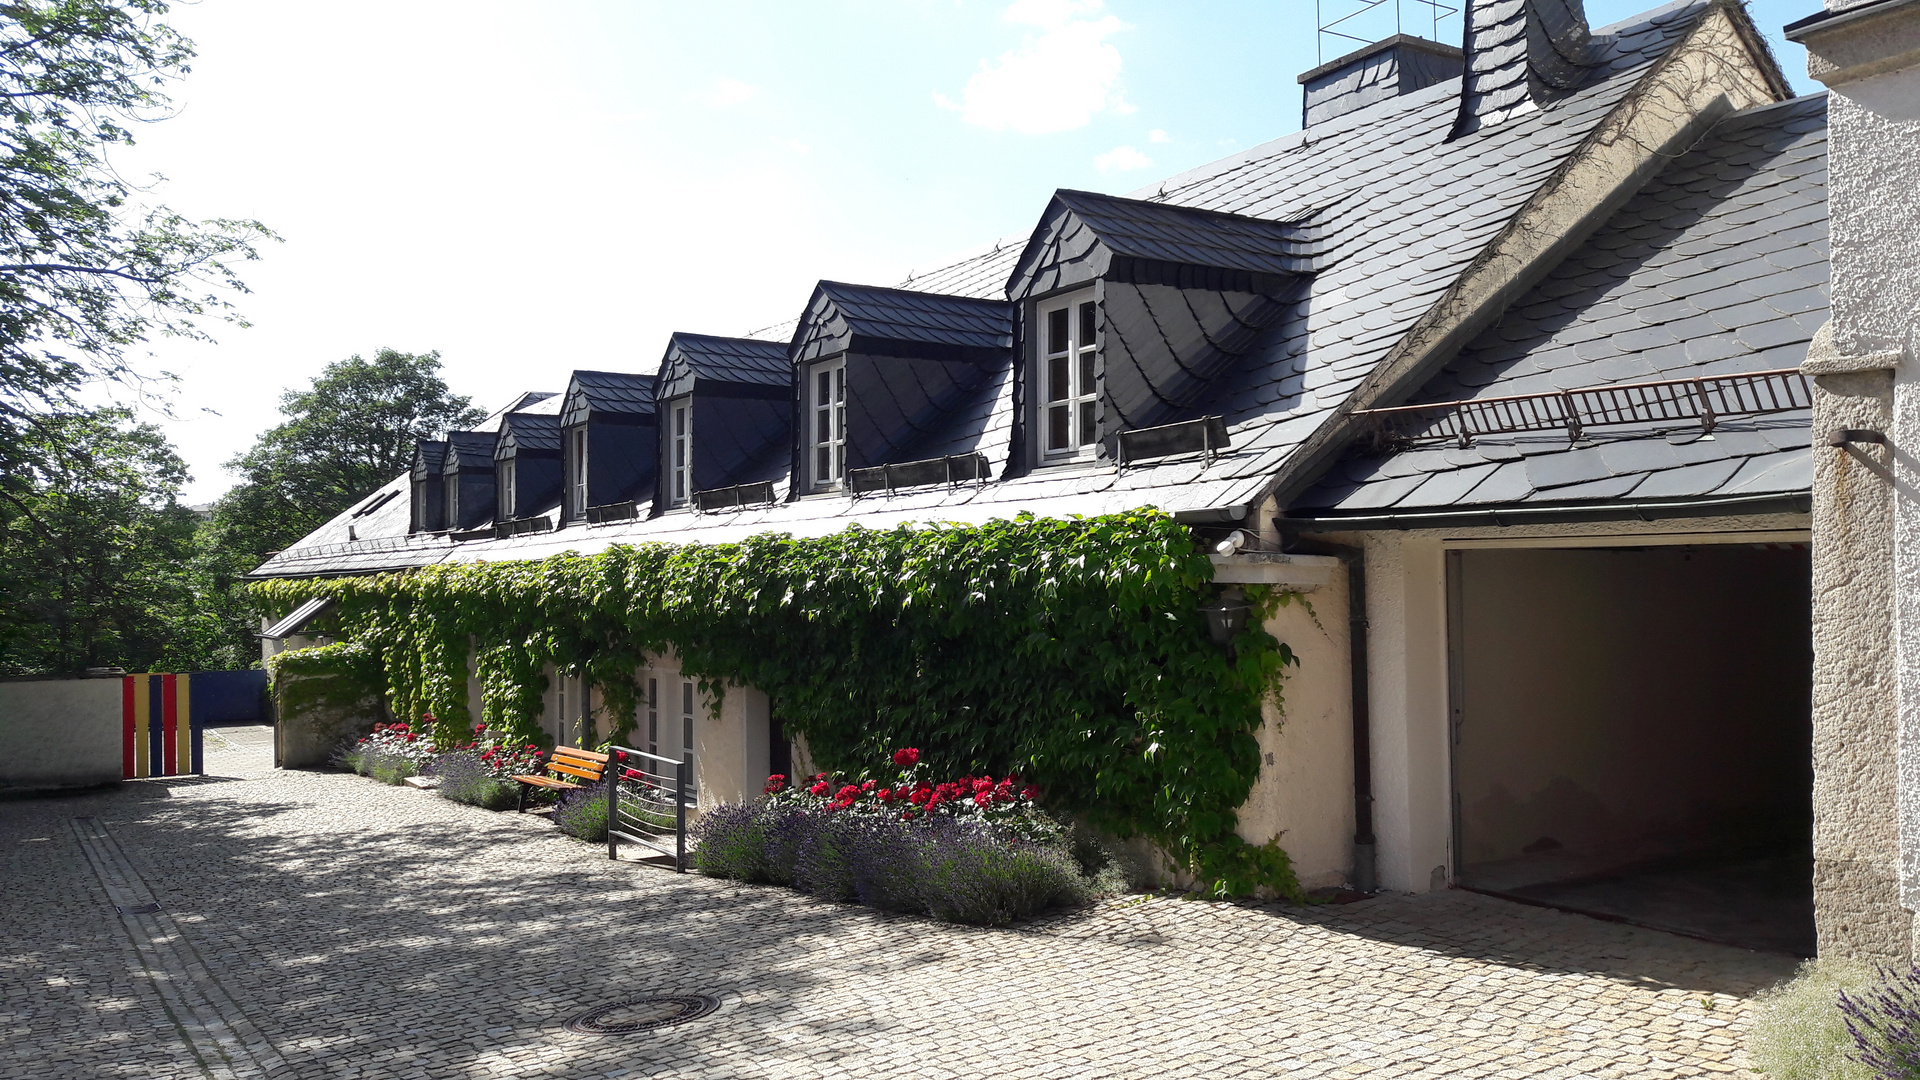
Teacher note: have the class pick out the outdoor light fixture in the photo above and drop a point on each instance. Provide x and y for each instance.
(1226, 616)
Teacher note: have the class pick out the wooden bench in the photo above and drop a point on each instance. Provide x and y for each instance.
(565, 761)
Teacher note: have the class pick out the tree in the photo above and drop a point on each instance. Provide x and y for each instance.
(349, 433)
(95, 552)
(85, 271)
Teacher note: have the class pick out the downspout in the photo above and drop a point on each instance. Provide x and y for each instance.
(1365, 877)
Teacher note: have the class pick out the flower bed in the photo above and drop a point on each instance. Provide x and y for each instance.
(477, 772)
(973, 850)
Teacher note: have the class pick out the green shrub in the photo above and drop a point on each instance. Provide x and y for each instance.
(1796, 1030)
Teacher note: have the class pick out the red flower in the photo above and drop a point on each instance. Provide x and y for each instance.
(479, 727)
(982, 785)
(868, 786)
(632, 774)
(885, 795)
(906, 758)
(984, 798)
(1030, 792)
(820, 788)
(619, 755)
(379, 728)
(848, 793)
(775, 784)
(921, 795)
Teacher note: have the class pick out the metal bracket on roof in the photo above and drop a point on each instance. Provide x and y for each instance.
(952, 470)
(1205, 435)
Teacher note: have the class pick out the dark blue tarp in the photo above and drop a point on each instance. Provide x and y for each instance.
(229, 697)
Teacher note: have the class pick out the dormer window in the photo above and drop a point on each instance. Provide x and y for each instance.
(504, 486)
(1068, 377)
(680, 452)
(827, 424)
(577, 473)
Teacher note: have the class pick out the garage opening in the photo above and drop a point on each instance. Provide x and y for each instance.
(1633, 735)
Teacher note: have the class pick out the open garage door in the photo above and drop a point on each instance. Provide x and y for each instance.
(1632, 734)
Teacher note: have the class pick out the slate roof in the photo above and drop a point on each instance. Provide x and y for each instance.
(530, 431)
(471, 449)
(875, 320)
(1718, 266)
(1400, 205)
(1129, 232)
(1523, 51)
(429, 456)
(728, 361)
(606, 392)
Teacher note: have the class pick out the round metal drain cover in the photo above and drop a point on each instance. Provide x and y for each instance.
(642, 1014)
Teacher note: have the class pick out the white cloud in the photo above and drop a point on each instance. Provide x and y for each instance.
(1156, 135)
(729, 92)
(1121, 159)
(1056, 80)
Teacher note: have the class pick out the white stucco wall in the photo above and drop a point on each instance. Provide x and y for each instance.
(1304, 794)
(60, 732)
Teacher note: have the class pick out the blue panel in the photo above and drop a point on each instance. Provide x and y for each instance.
(228, 697)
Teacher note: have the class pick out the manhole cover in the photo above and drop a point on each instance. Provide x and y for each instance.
(642, 1014)
(138, 909)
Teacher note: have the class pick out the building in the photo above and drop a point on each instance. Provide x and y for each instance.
(1501, 353)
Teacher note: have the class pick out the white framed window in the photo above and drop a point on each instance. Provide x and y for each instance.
(679, 452)
(504, 478)
(653, 716)
(1066, 379)
(577, 472)
(688, 699)
(827, 424)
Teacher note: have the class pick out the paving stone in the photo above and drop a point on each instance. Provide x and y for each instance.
(356, 930)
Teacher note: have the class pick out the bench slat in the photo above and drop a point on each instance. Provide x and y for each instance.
(572, 752)
(541, 781)
(584, 774)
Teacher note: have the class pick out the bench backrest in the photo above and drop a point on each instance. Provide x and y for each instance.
(584, 764)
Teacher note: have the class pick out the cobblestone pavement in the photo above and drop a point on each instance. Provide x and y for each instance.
(253, 923)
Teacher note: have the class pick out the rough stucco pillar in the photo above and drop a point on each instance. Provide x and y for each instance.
(1857, 910)
(1866, 521)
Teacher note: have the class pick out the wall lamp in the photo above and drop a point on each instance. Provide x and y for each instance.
(1226, 616)
(1844, 436)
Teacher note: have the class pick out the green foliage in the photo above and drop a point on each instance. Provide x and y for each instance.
(1796, 1030)
(1069, 652)
(345, 437)
(96, 552)
(343, 676)
(85, 272)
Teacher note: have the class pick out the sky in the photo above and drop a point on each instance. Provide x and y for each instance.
(533, 188)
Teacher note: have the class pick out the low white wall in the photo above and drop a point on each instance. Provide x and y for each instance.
(60, 732)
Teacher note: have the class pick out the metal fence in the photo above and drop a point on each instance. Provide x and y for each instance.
(648, 797)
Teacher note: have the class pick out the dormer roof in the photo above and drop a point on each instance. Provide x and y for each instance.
(429, 458)
(1083, 236)
(528, 432)
(740, 367)
(470, 450)
(606, 393)
(874, 321)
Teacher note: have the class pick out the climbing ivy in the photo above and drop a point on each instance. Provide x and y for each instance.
(1071, 652)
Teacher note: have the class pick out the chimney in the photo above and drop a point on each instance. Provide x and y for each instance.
(1385, 69)
(1521, 54)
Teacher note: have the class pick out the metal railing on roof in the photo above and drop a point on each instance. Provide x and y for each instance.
(952, 469)
(1705, 401)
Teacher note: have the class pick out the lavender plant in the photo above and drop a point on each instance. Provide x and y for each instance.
(1885, 1024)
(466, 777)
(582, 813)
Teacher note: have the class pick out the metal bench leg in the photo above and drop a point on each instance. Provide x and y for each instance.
(521, 807)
